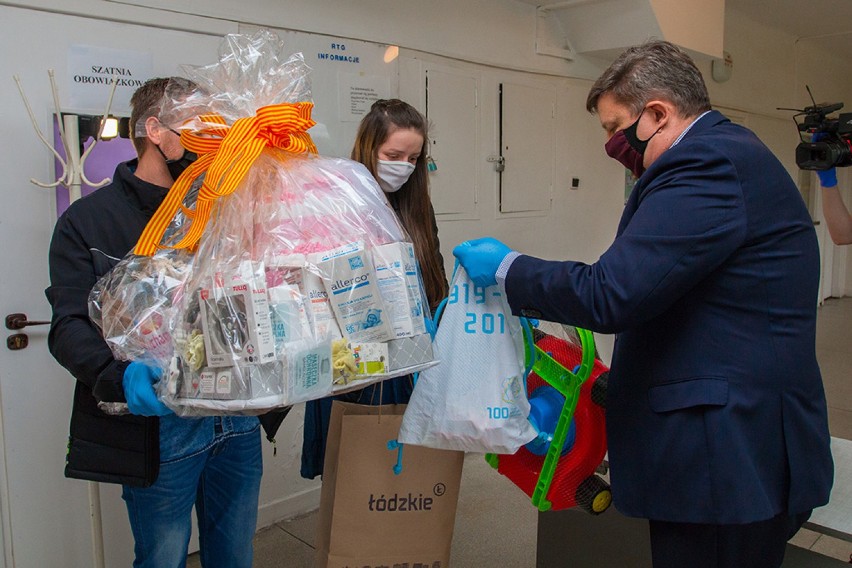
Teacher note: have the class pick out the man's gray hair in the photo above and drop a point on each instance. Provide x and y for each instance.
(654, 70)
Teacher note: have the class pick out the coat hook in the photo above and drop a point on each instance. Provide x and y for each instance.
(73, 164)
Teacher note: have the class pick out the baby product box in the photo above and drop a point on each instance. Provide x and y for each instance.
(307, 371)
(399, 286)
(350, 281)
(287, 300)
(229, 383)
(235, 319)
(320, 314)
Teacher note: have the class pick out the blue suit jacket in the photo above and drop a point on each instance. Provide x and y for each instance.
(715, 410)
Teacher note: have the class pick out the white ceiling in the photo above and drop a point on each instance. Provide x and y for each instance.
(801, 18)
(826, 21)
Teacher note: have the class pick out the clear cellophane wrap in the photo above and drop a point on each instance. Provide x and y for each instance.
(301, 281)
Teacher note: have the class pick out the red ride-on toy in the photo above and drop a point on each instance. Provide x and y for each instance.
(567, 393)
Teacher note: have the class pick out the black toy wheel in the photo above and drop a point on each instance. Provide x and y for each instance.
(599, 389)
(593, 495)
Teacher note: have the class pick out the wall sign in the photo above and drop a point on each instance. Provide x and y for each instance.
(358, 93)
(348, 75)
(92, 69)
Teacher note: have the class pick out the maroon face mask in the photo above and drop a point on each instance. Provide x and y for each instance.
(619, 149)
(626, 147)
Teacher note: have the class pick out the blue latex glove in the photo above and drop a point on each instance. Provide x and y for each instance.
(827, 178)
(138, 382)
(481, 258)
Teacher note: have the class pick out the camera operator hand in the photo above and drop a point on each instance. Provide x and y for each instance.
(827, 178)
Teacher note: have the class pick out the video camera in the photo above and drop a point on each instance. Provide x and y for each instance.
(830, 143)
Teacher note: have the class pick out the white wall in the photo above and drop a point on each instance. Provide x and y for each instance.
(493, 32)
(494, 38)
(566, 230)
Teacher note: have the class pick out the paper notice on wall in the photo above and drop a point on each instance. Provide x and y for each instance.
(358, 93)
(92, 69)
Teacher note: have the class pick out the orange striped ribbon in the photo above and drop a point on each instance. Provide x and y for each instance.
(226, 154)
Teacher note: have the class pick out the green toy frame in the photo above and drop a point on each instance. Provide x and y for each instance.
(568, 384)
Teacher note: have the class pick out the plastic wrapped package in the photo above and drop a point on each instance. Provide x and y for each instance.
(133, 303)
(302, 282)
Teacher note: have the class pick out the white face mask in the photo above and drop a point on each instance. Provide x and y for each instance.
(393, 175)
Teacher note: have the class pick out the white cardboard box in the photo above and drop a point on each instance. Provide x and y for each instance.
(236, 324)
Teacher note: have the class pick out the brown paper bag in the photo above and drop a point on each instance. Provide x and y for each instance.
(369, 516)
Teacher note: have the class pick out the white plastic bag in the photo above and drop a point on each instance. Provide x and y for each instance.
(474, 400)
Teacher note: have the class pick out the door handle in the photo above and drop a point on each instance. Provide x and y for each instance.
(20, 321)
(17, 341)
(498, 161)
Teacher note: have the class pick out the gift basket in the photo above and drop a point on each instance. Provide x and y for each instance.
(298, 280)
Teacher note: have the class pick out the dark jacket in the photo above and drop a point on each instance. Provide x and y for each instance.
(715, 405)
(91, 237)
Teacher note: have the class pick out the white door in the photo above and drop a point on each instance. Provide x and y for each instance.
(527, 122)
(452, 110)
(45, 517)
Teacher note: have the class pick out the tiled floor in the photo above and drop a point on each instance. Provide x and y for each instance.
(496, 525)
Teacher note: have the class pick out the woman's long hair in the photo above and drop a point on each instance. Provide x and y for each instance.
(411, 202)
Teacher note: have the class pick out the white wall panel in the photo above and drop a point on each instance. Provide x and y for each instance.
(453, 113)
(528, 118)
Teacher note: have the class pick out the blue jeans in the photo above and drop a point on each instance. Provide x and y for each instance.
(215, 464)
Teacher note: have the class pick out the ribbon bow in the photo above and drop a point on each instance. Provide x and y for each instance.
(226, 154)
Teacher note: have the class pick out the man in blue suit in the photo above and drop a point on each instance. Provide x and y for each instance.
(716, 415)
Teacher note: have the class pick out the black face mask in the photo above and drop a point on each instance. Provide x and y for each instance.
(626, 147)
(177, 167)
(633, 139)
